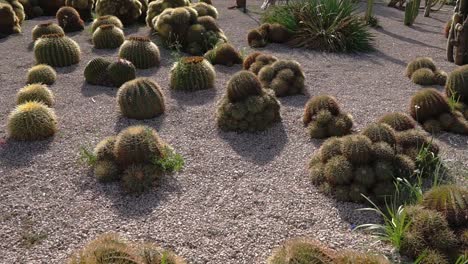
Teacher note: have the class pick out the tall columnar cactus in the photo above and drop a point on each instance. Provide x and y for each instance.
(140, 99)
(256, 61)
(451, 201)
(224, 54)
(35, 93)
(128, 11)
(204, 9)
(283, 77)
(457, 84)
(106, 20)
(192, 74)
(108, 37)
(96, 71)
(31, 121)
(69, 19)
(155, 8)
(411, 11)
(141, 51)
(84, 7)
(120, 72)
(57, 50)
(457, 42)
(42, 73)
(46, 29)
(9, 22)
(50, 7)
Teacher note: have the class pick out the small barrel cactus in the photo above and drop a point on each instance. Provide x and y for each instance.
(69, 19)
(31, 121)
(121, 72)
(423, 76)
(283, 77)
(428, 104)
(192, 74)
(18, 9)
(242, 85)
(106, 20)
(42, 73)
(128, 11)
(96, 71)
(278, 33)
(398, 121)
(256, 39)
(9, 22)
(204, 9)
(256, 61)
(440, 77)
(141, 51)
(357, 149)
(108, 37)
(302, 251)
(84, 8)
(155, 8)
(46, 29)
(138, 178)
(451, 201)
(318, 103)
(224, 54)
(35, 93)
(140, 99)
(420, 63)
(457, 84)
(56, 50)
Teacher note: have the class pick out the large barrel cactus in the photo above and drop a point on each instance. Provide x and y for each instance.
(140, 99)
(100, 71)
(42, 73)
(35, 93)
(57, 50)
(106, 20)
(141, 51)
(84, 7)
(18, 9)
(120, 72)
(31, 121)
(224, 54)
(46, 29)
(427, 104)
(155, 8)
(457, 84)
(69, 19)
(96, 71)
(283, 77)
(398, 121)
(108, 37)
(128, 11)
(192, 74)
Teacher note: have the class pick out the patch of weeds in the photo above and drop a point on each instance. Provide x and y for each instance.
(87, 156)
(170, 161)
(30, 238)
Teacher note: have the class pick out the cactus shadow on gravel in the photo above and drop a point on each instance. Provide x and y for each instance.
(89, 90)
(200, 97)
(17, 154)
(123, 122)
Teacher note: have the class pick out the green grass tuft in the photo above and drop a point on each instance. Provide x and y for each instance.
(171, 161)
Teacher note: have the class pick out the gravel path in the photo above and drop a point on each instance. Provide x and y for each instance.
(239, 195)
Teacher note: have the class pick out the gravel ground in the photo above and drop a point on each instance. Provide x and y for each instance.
(239, 195)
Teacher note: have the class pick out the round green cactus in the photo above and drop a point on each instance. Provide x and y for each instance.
(192, 74)
(383, 151)
(108, 36)
(18, 9)
(42, 73)
(96, 71)
(256, 61)
(84, 8)
(31, 121)
(9, 22)
(138, 178)
(128, 11)
(141, 51)
(419, 63)
(106, 171)
(317, 103)
(357, 149)
(140, 99)
(338, 170)
(138, 145)
(330, 148)
(283, 77)
(224, 54)
(451, 201)
(35, 93)
(415, 138)
(69, 19)
(104, 150)
(278, 33)
(428, 104)
(398, 121)
(106, 20)
(46, 29)
(57, 50)
(423, 76)
(120, 72)
(301, 252)
(404, 166)
(440, 77)
(173, 23)
(242, 85)
(384, 171)
(457, 84)
(256, 39)
(379, 132)
(340, 125)
(155, 8)
(204, 9)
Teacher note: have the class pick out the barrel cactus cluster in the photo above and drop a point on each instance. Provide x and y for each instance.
(423, 71)
(133, 157)
(246, 106)
(192, 74)
(141, 51)
(433, 111)
(46, 29)
(256, 61)
(128, 11)
(11, 17)
(155, 8)
(204, 9)
(84, 8)
(284, 77)
(69, 19)
(268, 33)
(141, 98)
(101, 71)
(324, 118)
(106, 20)
(224, 54)
(457, 89)
(56, 50)
(184, 29)
(108, 36)
(42, 73)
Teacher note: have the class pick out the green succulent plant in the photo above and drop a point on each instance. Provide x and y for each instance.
(120, 72)
(423, 76)
(104, 150)
(106, 171)
(138, 178)
(141, 51)
(380, 132)
(35, 93)
(31, 121)
(420, 63)
(155, 8)
(128, 11)
(106, 20)
(42, 73)
(204, 9)
(242, 85)
(404, 165)
(224, 54)
(256, 39)
(340, 125)
(50, 7)
(356, 192)
(69, 19)
(338, 170)
(330, 148)
(457, 84)
(278, 33)
(256, 61)
(108, 36)
(9, 22)
(192, 74)
(140, 99)
(365, 175)
(301, 251)
(96, 71)
(57, 50)
(383, 151)
(357, 149)
(428, 104)
(398, 121)
(283, 77)
(440, 77)
(317, 103)
(46, 29)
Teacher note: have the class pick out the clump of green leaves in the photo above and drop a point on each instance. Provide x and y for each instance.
(87, 156)
(170, 160)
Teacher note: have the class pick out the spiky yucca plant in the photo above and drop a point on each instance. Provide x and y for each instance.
(35, 93)
(140, 99)
(451, 201)
(31, 121)
(42, 73)
(192, 74)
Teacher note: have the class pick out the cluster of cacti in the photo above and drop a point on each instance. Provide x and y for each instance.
(141, 51)
(108, 36)
(268, 33)
(204, 9)
(457, 43)
(35, 92)
(11, 17)
(433, 111)
(457, 85)
(184, 29)
(256, 61)
(307, 251)
(50, 7)
(155, 8)
(46, 29)
(69, 19)
(106, 20)
(224, 54)
(324, 118)
(56, 50)
(246, 106)
(140, 99)
(284, 77)
(128, 11)
(100, 71)
(42, 73)
(31, 8)
(192, 74)
(132, 157)
(110, 248)
(84, 8)
(368, 163)
(423, 71)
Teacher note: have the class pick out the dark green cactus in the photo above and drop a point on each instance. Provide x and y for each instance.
(96, 71)
(330, 148)
(224, 54)
(411, 11)
(46, 29)
(256, 39)
(338, 170)
(155, 8)
(420, 63)
(379, 132)
(357, 149)
(56, 50)
(317, 103)
(457, 84)
(383, 151)
(451, 201)
(141, 51)
(283, 77)
(42, 73)
(18, 9)
(398, 121)
(174, 30)
(204, 9)
(69, 19)
(108, 37)
(104, 150)
(404, 166)
(301, 252)
(356, 192)
(428, 104)
(35, 93)
(106, 20)
(120, 72)
(138, 178)
(31, 121)
(423, 76)
(9, 22)
(440, 77)
(140, 99)
(128, 11)
(278, 33)
(84, 7)
(192, 74)
(256, 61)
(365, 176)
(242, 85)
(384, 171)
(106, 171)
(50, 7)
